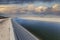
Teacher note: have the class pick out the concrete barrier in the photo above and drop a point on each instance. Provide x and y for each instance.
(11, 30)
(21, 33)
(6, 29)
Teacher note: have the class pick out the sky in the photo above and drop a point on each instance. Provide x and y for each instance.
(30, 7)
(26, 1)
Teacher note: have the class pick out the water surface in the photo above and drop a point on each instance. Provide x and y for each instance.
(42, 29)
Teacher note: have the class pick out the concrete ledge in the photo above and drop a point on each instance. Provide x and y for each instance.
(21, 33)
(6, 30)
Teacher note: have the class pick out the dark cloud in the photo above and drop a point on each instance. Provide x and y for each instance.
(25, 1)
(34, 0)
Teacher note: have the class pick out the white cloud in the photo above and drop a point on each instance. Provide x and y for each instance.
(40, 8)
(29, 8)
(7, 9)
(56, 7)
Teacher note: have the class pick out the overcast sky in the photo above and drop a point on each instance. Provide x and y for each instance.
(26, 1)
(29, 6)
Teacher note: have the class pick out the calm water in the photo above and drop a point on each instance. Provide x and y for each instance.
(41, 29)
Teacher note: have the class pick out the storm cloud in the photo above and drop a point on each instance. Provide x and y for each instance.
(25, 1)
